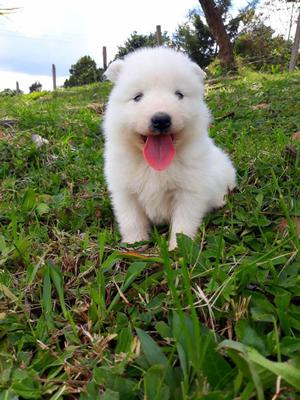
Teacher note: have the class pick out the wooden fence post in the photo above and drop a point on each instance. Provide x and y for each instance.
(17, 88)
(54, 76)
(158, 35)
(104, 58)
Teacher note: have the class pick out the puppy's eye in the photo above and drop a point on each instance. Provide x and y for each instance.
(138, 97)
(179, 94)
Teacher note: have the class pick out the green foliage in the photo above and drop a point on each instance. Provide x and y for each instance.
(194, 38)
(254, 43)
(36, 95)
(258, 45)
(137, 41)
(8, 92)
(82, 316)
(215, 69)
(85, 71)
(35, 87)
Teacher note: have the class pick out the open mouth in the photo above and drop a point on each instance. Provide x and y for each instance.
(159, 150)
(144, 137)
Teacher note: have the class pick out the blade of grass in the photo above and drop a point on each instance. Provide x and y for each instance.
(284, 369)
(132, 273)
(57, 279)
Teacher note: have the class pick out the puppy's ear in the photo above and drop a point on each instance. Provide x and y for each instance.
(113, 71)
(199, 71)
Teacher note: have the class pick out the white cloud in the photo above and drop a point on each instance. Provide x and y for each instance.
(43, 32)
(94, 23)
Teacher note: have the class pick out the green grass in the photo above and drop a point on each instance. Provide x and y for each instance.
(83, 317)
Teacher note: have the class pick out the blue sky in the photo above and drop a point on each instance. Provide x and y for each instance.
(43, 32)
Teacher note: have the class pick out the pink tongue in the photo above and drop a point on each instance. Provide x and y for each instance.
(159, 151)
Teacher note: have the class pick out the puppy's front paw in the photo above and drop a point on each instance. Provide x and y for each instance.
(135, 238)
(220, 204)
(172, 244)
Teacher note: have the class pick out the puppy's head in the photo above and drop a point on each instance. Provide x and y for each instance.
(158, 94)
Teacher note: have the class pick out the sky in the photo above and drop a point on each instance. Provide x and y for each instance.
(42, 32)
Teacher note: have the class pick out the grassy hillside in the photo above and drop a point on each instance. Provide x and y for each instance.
(83, 317)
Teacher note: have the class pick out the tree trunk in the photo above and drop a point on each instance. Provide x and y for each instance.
(217, 29)
(295, 51)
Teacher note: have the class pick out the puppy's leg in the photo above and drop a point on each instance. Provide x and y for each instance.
(187, 216)
(133, 222)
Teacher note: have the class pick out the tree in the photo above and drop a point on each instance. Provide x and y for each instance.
(35, 87)
(194, 38)
(293, 7)
(216, 25)
(258, 45)
(85, 71)
(136, 41)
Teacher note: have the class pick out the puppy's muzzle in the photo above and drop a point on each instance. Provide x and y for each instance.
(160, 122)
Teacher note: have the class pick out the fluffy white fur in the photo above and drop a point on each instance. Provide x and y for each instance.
(200, 174)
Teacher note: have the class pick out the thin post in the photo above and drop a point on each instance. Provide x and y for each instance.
(291, 22)
(17, 88)
(295, 51)
(104, 58)
(54, 76)
(158, 35)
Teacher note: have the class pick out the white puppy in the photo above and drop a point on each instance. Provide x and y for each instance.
(160, 164)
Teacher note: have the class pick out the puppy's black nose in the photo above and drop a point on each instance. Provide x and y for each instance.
(160, 122)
